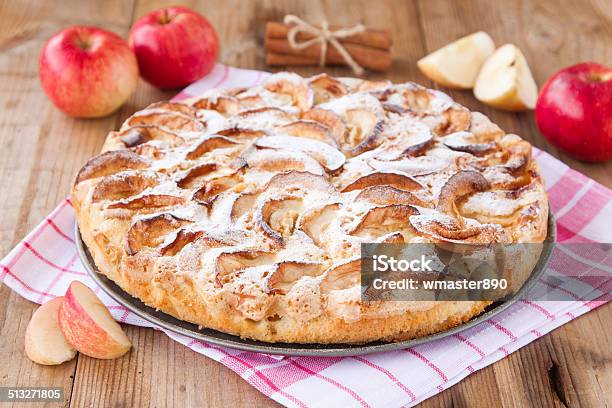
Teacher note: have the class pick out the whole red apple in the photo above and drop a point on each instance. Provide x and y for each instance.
(175, 46)
(574, 111)
(87, 72)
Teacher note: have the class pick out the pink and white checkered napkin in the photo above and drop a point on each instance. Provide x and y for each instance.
(42, 266)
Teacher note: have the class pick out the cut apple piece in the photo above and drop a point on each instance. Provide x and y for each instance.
(287, 273)
(175, 107)
(446, 229)
(294, 86)
(326, 87)
(456, 65)
(325, 154)
(468, 143)
(88, 326)
(283, 160)
(505, 81)
(231, 261)
(148, 202)
(332, 122)
(459, 185)
(139, 134)
(196, 174)
(342, 276)
(315, 222)
(123, 185)
(241, 133)
(414, 166)
(151, 231)
(276, 218)
(44, 342)
(364, 131)
(300, 181)
(387, 195)
(222, 104)
(309, 129)
(380, 221)
(110, 162)
(206, 194)
(262, 118)
(210, 143)
(390, 178)
(168, 120)
(182, 238)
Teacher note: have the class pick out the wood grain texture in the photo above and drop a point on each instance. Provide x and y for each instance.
(42, 149)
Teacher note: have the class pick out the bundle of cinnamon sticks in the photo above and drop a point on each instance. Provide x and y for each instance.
(371, 49)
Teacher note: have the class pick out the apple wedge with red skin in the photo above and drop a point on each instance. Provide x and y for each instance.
(44, 341)
(88, 325)
(574, 111)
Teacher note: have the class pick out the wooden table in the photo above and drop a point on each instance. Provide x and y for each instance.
(41, 149)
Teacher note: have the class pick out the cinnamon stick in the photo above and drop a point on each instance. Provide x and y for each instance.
(374, 59)
(370, 37)
(275, 59)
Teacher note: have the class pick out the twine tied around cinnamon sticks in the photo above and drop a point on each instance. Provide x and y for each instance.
(370, 48)
(323, 36)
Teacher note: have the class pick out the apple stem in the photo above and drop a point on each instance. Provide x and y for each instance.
(164, 18)
(82, 42)
(600, 77)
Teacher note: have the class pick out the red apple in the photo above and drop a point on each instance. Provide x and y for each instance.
(87, 72)
(175, 46)
(574, 111)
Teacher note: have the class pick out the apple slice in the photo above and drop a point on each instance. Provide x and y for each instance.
(456, 65)
(44, 341)
(88, 325)
(505, 81)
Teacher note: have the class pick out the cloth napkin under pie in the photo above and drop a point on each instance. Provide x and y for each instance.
(42, 266)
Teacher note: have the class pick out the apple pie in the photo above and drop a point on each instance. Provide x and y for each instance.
(243, 210)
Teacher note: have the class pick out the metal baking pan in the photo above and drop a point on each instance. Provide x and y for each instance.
(294, 349)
